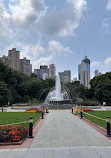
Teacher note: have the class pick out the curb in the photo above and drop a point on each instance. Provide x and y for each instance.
(12, 143)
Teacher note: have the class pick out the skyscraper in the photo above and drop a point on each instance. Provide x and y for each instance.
(52, 70)
(96, 73)
(65, 76)
(43, 69)
(25, 66)
(84, 72)
(14, 57)
(13, 61)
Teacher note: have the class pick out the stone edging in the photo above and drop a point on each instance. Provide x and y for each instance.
(13, 143)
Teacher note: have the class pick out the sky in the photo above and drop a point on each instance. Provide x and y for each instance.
(58, 31)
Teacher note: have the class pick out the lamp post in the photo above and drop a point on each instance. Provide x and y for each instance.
(108, 125)
(42, 114)
(31, 127)
(72, 110)
(81, 114)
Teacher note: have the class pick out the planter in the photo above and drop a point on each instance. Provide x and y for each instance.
(12, 143)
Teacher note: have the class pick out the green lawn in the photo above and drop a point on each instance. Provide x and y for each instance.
(14, 117)
(101, 114)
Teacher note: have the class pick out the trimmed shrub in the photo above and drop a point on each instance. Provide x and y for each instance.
(89, 103)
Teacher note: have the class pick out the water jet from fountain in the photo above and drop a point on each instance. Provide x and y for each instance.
(58, 94)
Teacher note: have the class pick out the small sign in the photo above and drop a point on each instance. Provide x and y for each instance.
(104, 103)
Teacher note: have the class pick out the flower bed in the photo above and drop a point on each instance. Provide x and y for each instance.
(33, 110)
(12, 133)
(86, 109)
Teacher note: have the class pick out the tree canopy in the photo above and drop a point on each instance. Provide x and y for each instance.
(101, 88)
(16, 87)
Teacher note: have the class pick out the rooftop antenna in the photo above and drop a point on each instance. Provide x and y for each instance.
(85, 53)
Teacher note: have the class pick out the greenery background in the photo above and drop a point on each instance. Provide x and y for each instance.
(16, 87)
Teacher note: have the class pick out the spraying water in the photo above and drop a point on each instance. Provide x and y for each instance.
(57, 93)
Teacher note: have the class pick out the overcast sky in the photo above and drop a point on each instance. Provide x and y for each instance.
(58, 31)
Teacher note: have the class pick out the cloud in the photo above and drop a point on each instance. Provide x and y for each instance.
(38, 54)
(108, 5)
(19, 14)
(45, 60)
(31, 51)
(24, 13)
(106, 23)
(103, 67)
(56, 47)
(107, 62)
(96, 64)
(64, 22)
(5, 32)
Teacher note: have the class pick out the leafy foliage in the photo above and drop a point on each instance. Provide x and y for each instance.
(76, 90)
(101, 88)
(16, 87)
(5, 93)
(89, 103)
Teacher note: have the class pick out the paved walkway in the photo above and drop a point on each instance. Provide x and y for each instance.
(63, 135)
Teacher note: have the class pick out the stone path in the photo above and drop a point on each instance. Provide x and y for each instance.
(63, 135)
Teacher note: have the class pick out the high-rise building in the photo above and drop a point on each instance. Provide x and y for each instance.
(61, 75)
(25, 66)
(52, 70)
(43, 69)
(5, 60)
(84, 72)
(13, 61)
(65, 76)
(14, 58)
(96, 73)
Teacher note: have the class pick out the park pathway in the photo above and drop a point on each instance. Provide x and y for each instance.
(63, 135)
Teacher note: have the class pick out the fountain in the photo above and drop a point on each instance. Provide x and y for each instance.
(57, 95)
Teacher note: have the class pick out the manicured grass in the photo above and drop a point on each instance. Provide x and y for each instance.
(15, 117)
(101, 114)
